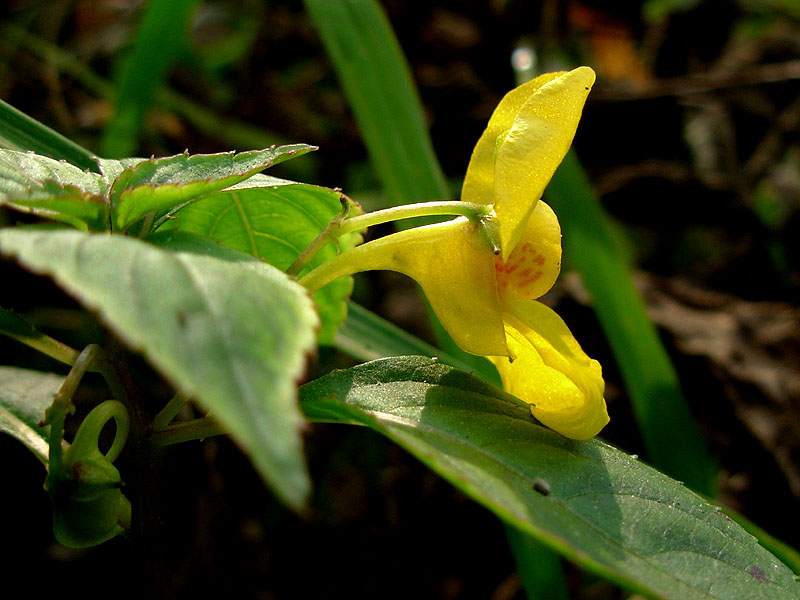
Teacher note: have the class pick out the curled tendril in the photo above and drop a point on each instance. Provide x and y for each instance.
(86, 488)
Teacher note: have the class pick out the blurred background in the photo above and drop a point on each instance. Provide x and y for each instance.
(690, 137)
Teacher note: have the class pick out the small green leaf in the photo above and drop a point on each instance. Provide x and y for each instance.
(53, 189)
(24, 397)
(597, 506)
(163, 184)
(225, 328)
(274, 220)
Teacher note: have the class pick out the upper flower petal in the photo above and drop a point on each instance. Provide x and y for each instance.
(479, 180)
(551, 372)
(526, 139)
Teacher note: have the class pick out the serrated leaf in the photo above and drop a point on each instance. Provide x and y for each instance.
(275, 221)
(597, 506)
(161, 184)
(225, 328)
(24, 397)
(53, 189)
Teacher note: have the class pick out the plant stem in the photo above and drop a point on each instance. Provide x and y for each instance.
(329, 234)
(187, 431)
(62, 405)
(340, 226)
(169, 412)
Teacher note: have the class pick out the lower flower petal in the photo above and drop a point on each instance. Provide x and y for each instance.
(535, 263)
(550, 371)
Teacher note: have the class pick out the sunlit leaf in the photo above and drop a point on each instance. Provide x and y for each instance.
(163, 184)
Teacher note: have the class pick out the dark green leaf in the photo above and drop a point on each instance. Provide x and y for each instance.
(275, 220)
(24, 397)
(225, 328)
(164, 184)
(599, 507)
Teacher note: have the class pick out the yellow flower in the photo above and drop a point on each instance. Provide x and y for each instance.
(482, 276)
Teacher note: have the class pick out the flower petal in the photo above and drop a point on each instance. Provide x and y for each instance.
(539, 138)
(535, 262)
(479, 180)
(454, 264)
(551, 372)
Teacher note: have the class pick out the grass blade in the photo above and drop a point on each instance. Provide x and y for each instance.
(18, 131)
(161, 40)
(374, 74)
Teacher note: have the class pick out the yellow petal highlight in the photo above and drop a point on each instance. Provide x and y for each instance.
(479, 180)
(551, 372)
(535, 262)
(539, 138)
(454, 264)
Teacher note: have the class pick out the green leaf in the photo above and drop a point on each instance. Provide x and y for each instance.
(275, 221)
(164, 184)
(225, 328)
(597, 506)
(24, 397)
(53, 189)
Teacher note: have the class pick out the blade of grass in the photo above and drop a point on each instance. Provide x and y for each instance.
(542, 575)
(672, 439)
(162, 38)
(18, 131)
(378, 83)
(376, 78)
(227, 130)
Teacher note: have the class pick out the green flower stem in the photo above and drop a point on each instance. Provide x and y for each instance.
(340, 266)
(420, 209)
(340, 226)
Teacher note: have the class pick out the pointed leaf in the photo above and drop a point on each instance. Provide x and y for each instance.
(225, 328)
(24, 397)
(599, 507)
(52, 189)
(164, 183)
(275, 222)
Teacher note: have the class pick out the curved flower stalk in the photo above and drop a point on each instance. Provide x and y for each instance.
(482, 275)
